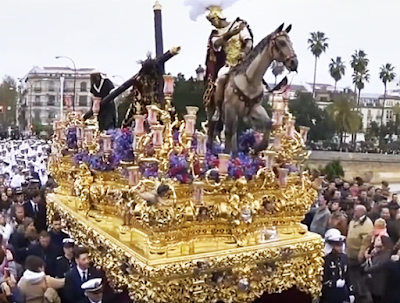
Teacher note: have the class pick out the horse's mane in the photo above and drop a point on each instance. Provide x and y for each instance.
(242, 66)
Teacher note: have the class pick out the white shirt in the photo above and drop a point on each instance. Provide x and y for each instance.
(80, 271)
(35, 206)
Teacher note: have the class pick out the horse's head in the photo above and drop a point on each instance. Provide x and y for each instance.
(281, 48)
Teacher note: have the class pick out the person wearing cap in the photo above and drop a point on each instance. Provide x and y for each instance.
(336, 283)
(93, 290)
(65, 262)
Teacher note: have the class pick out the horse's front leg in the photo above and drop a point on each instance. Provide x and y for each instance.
(231, 124)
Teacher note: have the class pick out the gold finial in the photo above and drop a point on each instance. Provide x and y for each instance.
(157, 6)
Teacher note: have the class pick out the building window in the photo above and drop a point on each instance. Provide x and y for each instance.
(389, 115)
(37, 88)
(51, 86)
(51, 101)
(37, 101)
(83, 86)
(82, 100)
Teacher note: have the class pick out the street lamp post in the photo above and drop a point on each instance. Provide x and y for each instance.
(73, 63)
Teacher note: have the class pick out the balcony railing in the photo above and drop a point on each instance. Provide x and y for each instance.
(51, 103)
(37, 89)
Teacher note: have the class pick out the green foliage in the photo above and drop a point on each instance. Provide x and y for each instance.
(189, 93)
(317, 43)
(307, 112)
(333, 169)
(8, 100)
(344, 115)
(337, 69)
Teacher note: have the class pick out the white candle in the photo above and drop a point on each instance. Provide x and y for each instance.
(223, 163)
(139, 125)
(151, 115)
(201, 148)
(290, 128)
(198, 192)
(282, 177)
(190, 123)
(133, 175)
(157, 135)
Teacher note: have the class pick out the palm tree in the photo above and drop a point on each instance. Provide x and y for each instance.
(318, 44)
(277, 69)
(337, 69)
(347, 120)
(359, 80)
(387, 75)
(359, 64)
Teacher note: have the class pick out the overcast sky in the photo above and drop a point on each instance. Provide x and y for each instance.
(112, 35)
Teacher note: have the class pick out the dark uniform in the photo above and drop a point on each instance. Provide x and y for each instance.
(63, 265)
(336, 268)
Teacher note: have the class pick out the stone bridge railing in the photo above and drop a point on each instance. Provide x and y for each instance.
(373, 168)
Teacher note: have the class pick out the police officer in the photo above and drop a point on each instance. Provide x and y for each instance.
(93, 289)
(336, 284)
(65, 262)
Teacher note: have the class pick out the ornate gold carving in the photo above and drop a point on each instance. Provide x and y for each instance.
(243, 273)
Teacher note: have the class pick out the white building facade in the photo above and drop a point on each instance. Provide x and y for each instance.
(40, 94)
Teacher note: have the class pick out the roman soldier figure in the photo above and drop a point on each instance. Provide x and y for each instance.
(100, 87)
(228, 44)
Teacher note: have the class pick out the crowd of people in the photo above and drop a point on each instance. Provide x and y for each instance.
(39, 262)
(361, 227)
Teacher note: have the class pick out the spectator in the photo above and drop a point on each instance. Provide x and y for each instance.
(35, 286)
(321, 217)
(393, 283)
(394, 205)
(391, 225)
(36, 210)
(81, 273)
(56, 233)
(360, 229)
(5, 202)
(45, 250)
(338, 218)
(376, 265)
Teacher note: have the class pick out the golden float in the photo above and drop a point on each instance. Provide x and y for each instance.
(212, 239)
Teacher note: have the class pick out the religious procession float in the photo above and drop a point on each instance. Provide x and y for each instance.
(176, 216)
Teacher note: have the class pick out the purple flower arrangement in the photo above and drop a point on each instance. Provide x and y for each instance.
(244, 165)
(72, 140)
(123, 140)
(97, 162)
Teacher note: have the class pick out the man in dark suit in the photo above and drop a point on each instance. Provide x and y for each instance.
(78, 275)
(56, 233)
(35, 209)
(45, 250)
(32, 173)
(100, 87)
